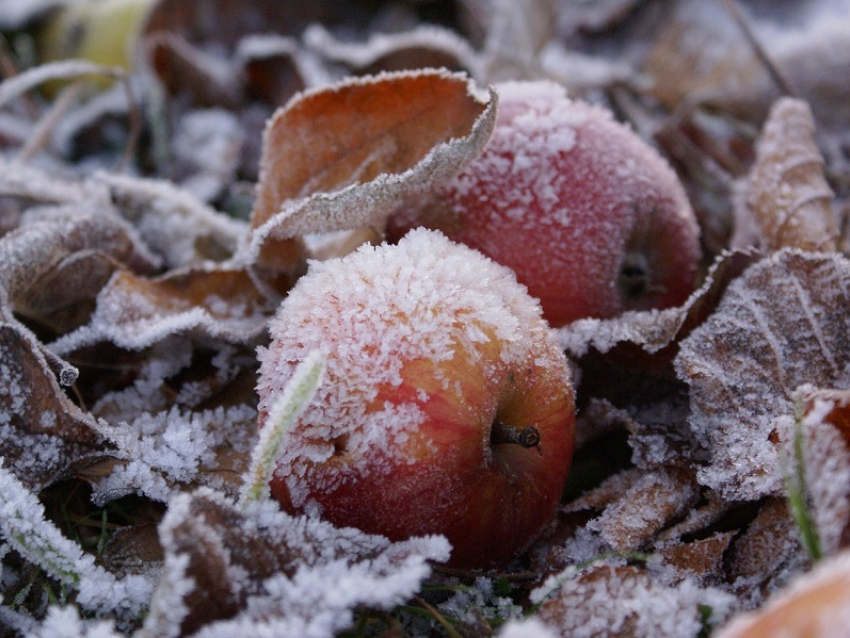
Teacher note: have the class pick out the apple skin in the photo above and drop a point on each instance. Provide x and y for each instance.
(589, 216)
(429, 345)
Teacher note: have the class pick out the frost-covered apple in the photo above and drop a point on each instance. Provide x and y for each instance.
(446, 408)
(588, 215)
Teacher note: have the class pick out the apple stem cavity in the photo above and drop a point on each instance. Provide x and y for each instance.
(527, 437)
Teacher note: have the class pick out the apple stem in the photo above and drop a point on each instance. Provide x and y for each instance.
(527, 437)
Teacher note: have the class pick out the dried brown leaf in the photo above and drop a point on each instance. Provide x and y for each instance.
(402, 121)
(838, 415)
(132, 550)
(782, 324)
(272, 68)
(43, 435)
(654, 501)
(133, 312)
(702, 558)
(699, 53)
(767, 553)
(625, 601)
(786, 192)
(52, 269)
(319, 173)
(227, 568)
(824, 448)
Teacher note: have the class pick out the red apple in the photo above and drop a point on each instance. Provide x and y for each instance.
(447, 406)
(587, 214)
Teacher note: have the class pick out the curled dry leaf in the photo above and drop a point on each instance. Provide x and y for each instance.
(274, 68)
(43, 435)
(782, 324)
(214, 301)
(53, 268)
(227, 569)
(346, 156)
(786, 193)
(815, 604)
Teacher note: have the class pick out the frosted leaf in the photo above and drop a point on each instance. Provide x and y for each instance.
(653, 330)
(423, 46)
(173, 222)
(786, 191)
(580, 72)
(637, 504)
(17, 14)
(814, 604)
(132, 312)
(263, 572)
(276, 67)
(335, 176)
(592, 17)
(701, 57)
(782, 324)
(701, 559)
(25, 528)
(52, 268)
(608, 600)
(43, 435)
(767, 554)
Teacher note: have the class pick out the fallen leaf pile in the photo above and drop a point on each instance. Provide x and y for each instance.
(153, 217)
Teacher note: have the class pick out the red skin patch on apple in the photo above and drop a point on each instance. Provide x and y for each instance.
(589, 216)
(400, 438)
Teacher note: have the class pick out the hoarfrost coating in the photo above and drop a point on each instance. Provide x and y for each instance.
(464, 299)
